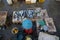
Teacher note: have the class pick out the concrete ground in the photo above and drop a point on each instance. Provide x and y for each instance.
(53, 9)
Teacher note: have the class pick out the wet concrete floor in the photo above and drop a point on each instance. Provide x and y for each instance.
(53, 9)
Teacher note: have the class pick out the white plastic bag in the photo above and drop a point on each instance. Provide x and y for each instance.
(33, 1)
(9, 2)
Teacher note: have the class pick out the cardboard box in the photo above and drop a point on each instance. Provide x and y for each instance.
(50, 24)
(28, 1)
(3, 16)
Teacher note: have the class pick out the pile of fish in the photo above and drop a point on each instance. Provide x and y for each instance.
(18, 16)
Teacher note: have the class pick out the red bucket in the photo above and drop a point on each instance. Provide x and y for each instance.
(28, 31)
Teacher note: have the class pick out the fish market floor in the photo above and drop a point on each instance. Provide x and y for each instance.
(53, 9)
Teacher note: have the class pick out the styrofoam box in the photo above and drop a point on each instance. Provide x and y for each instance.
(45, 36)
